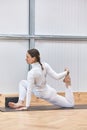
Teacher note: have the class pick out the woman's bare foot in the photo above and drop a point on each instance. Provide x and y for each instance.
(15, 105)
(21, 108)
(67, 80)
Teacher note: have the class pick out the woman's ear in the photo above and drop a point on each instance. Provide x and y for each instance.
(34, 59)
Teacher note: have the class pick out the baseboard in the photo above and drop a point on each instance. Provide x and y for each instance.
(80, 98)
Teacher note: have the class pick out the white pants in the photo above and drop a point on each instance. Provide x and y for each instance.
(49, 94)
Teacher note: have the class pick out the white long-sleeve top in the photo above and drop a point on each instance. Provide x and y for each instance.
(37, 78)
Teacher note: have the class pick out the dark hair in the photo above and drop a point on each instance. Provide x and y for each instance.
(35, 53)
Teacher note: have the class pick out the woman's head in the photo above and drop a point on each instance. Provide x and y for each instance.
(33, 56)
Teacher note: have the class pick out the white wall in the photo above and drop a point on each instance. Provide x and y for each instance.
(59, 17)
(14, 19)
(14, 16)
(61, 54)
(63, 17)
(13, 67)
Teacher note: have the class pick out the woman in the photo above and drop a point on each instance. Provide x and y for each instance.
(36, 83)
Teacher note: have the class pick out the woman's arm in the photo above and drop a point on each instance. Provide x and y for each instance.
(55, 75)
(30, 79)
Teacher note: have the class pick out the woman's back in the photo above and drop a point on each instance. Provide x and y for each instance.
(38, 75)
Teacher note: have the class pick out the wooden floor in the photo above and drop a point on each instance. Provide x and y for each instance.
(44, 120)
(73, 119)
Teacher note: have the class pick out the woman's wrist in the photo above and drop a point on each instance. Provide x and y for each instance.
(67, 71)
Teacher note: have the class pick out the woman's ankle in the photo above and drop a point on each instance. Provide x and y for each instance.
(68, 85)
(67, 81)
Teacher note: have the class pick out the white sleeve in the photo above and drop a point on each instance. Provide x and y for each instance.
(53, 74)
(30, 79)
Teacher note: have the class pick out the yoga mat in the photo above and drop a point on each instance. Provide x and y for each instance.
(44, 108)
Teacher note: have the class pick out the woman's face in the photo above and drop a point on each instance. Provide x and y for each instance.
(30, 59)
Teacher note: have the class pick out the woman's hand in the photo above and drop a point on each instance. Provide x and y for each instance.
(21, 108)
(66, 69)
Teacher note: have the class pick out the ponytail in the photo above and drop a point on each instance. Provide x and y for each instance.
(41, 65)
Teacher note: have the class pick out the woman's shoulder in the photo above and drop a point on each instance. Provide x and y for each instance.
(45, 64)
(33, 72)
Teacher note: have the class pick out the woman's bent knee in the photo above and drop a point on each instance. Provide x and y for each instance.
(23, 82)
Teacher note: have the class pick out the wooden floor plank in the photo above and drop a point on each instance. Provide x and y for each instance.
(38, 120)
